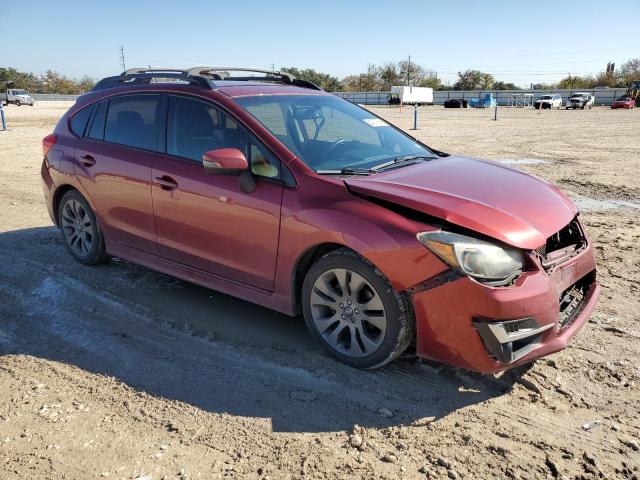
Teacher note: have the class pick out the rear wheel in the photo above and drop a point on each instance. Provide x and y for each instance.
(80, 230)
(354, 312)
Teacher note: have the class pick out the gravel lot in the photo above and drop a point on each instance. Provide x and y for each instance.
(120, 372)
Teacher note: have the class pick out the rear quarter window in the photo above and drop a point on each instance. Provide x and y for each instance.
(79, 120)
(96, 131)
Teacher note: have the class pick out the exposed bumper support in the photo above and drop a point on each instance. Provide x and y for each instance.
(510, 340)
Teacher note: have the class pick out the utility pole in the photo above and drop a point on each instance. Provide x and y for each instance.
(273, 67)
(409, 72)
(122, 64)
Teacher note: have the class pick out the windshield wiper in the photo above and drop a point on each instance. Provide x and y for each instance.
(404, 159)
(346, 171)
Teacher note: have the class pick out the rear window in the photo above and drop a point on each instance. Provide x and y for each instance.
(78, 122)
(132, 121)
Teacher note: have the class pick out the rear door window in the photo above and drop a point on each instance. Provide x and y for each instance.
(78, 122)
(132, 120)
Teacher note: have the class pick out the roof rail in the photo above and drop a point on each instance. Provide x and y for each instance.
(205, 77)
(136, 76)
(222, 73)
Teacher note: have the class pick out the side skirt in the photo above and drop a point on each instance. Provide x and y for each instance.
(224, 285)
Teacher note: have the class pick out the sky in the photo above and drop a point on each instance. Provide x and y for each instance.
(517, 41)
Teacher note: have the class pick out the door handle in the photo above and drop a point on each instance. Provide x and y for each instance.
(87, 160)
(166, 182)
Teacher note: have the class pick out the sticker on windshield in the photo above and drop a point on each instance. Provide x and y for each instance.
(375, 122)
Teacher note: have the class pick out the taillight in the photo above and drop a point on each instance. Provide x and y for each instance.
(48, 142)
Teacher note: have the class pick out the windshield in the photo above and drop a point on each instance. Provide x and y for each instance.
(20, 92)
(579, 95)
(328, 133)
(622, 99)
(546, 97)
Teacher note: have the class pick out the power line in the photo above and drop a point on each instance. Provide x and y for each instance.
(122, 64)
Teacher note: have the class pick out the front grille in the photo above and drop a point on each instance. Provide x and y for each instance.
(573, 299)
(562, 245)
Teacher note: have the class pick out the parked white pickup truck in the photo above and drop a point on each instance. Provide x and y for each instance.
(17, 96)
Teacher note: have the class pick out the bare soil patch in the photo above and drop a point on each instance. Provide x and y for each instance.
(120, 372)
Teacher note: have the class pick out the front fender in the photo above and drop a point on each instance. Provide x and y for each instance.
(385, 238)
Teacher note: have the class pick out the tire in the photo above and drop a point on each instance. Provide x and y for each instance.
(80, 230)
(333, 318)
(18, 103)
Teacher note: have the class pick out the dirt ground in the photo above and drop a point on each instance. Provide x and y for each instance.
(119, 372)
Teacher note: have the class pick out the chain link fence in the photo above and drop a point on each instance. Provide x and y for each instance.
(603, 96)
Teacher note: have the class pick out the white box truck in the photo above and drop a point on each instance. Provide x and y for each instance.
(412, 95)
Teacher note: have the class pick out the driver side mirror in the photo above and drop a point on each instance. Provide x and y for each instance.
(224, 161)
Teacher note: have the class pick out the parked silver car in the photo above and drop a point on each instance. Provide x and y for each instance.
(580, 100)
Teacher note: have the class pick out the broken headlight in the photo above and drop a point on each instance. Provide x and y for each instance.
(476, 258)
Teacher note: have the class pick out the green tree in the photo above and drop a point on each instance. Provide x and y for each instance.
(388, 76)
(323, 80)
(410, 73)
(575, 81)
(630, 71)
(14, 78)
(86, 83)
(544, 86)
(505, 86)
(474, 80)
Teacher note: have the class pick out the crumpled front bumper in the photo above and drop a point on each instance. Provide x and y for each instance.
(488, 329)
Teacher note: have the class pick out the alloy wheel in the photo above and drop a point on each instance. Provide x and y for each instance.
(348, 312)
(77, 228)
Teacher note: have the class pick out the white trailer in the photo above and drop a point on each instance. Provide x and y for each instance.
(413, 95)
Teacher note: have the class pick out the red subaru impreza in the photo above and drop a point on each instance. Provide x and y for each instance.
(262, 186)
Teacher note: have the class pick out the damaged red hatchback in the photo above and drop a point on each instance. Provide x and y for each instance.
(262, 186)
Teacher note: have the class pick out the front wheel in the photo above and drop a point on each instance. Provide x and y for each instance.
(80, 229)
(351, 308)
(18, 103)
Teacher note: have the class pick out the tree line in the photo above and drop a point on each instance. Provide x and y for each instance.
(49, 82)
(383, 77)
(376, 78)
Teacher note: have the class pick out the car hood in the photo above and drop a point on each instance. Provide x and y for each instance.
(492, 199)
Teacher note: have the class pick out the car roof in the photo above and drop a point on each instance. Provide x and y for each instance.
(235, 89)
